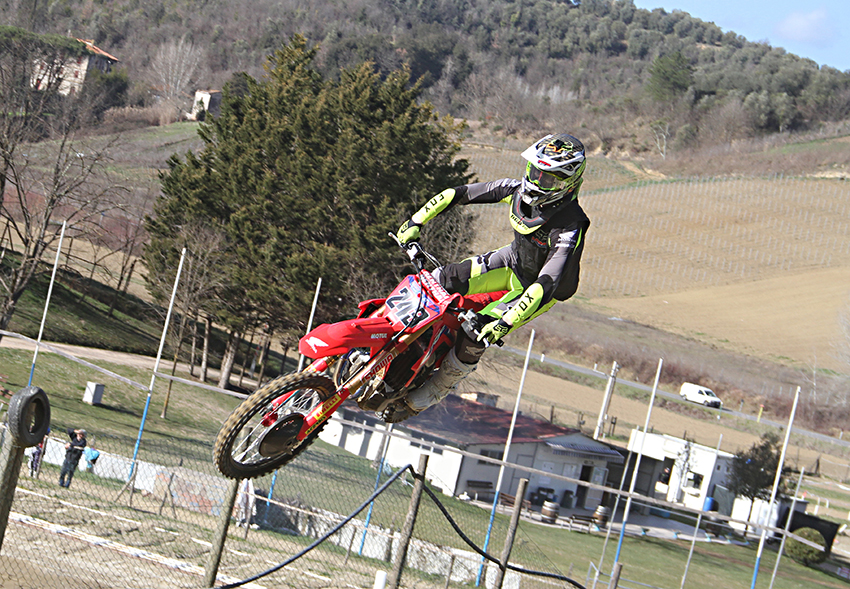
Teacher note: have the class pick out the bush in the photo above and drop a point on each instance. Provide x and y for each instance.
(803, 553)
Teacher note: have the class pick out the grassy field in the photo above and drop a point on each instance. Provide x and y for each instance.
(329, 479)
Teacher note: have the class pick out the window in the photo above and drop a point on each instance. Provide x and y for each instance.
(426, 447)
(497, 454)
(694, 480)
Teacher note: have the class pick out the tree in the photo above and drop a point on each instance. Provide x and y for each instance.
(305, 177)
(754, 471)
(174, 65)
(669, 77)
(803, 553)
(47, 174)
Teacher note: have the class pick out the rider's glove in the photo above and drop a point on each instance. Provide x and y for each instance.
(494, 331)
(408, 232)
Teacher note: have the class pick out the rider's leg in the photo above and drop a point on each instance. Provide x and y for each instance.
(459, 363)
(488, 272)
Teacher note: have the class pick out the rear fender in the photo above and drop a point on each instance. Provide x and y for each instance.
(332, 339)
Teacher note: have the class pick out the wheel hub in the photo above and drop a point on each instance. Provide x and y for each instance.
(281, 437)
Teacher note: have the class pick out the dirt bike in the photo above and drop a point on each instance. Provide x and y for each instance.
(392, 347)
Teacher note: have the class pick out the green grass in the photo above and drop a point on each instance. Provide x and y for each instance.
(329, 478)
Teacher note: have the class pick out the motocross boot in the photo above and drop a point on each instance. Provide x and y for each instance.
(444, 381)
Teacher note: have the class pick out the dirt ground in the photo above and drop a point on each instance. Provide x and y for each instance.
(791, 317)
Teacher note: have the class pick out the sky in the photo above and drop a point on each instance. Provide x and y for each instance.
(816, 30)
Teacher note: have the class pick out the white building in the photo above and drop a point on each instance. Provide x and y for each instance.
(205, 101)
(72, 73)
(482, 429)
(680, 471)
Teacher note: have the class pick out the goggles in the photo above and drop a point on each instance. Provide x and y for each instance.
(545, 180)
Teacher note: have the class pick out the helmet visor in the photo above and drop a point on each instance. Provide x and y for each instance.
(544, 180)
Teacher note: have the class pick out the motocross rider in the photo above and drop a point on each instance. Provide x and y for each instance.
(540, 267)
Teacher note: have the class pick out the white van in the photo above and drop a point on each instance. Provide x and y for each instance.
(698, 394)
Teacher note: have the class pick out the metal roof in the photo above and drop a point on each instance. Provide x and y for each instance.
(585, 450)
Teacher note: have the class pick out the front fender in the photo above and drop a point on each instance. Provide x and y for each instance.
(331, 339)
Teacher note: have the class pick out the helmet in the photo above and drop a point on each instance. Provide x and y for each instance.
(554, 169)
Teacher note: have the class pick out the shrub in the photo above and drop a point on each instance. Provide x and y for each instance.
(803, 553)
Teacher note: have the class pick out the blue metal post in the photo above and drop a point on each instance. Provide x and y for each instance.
(775, 488)
(637, 464)
(377, 482)
(504, 459)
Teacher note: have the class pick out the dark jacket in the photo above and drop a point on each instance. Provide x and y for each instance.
(548, 241)
(75, 451)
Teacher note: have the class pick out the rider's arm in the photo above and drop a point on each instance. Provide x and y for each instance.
(541, 291)
(478, 193)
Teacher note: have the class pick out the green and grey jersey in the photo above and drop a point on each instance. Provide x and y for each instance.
(548, 241)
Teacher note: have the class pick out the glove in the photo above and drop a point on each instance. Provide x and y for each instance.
(408, 232)
(494, 331)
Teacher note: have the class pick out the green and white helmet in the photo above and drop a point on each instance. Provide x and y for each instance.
(554, 169)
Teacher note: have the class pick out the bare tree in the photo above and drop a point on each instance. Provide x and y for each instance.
(47, 175)
(661, 134)
(173, 66)
(198, 281)
(128, 237)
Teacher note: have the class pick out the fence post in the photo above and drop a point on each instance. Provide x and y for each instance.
(211, 570)
(407, 529)
(28, 418)
(615, 575)
(509, 540)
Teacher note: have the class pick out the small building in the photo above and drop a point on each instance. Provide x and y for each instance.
(73, 71)
(482, 429)
(206, 101)
(678, 470)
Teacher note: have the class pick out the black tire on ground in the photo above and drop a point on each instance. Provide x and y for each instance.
(29, 416)
(238, 451)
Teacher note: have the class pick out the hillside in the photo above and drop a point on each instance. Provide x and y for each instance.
(737, 281)
(628, 80)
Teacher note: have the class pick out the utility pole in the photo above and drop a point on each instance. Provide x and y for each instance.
(606, 400)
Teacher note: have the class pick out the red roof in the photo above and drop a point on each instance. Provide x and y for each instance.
(468, 422)
(97, 50)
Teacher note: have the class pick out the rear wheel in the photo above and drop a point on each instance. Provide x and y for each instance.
(260, 434)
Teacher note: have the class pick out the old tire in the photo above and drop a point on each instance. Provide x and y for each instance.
(246, 447)
(29, 416)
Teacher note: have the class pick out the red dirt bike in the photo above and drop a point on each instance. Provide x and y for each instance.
(392, 347)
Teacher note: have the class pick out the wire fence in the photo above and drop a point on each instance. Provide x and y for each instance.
(146, 514)
(156, 529)
(152, 522)
(652, 236)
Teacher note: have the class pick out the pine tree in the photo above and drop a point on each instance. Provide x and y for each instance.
(306, 177)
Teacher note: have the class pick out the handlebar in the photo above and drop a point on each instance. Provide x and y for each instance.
(472, 323)
(415, 252)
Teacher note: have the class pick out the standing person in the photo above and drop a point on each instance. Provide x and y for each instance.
(540, 266)
(73, 452)
(35, 458)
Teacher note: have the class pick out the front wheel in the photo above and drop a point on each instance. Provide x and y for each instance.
(260, 435)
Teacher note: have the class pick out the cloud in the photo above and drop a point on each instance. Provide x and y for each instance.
(813, 27)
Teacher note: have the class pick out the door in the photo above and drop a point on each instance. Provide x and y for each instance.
(581, 491)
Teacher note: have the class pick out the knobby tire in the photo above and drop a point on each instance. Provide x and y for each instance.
(259, 402)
